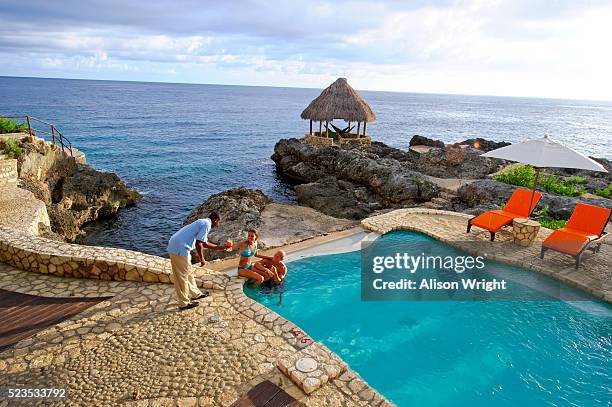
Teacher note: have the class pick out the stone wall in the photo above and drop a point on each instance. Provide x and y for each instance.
(27, 252)
(328, 141)
(318, 141)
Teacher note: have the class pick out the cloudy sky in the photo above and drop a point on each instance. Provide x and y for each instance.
(546, 48)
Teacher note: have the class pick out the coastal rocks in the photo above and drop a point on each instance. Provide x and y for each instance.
(483, 194)
(284, 224)
(484, 145)
(417, 140)
(456, 161)
(73, 192)
(364, 179)
(349, 201)
(242, 209)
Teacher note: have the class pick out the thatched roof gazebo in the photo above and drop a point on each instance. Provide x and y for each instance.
(339, 101)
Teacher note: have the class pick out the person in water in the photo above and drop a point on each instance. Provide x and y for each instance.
(276, 265)
(246, 267)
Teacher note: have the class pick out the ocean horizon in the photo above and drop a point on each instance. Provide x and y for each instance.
(178, 144)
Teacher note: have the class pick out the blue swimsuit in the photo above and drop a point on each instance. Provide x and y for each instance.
(248, 253)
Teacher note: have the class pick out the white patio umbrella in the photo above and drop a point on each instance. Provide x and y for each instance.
(545, 152)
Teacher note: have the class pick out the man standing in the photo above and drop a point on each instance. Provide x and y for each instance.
(194, 235)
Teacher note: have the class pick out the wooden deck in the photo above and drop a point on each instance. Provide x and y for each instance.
(266, 394)
(24, 315)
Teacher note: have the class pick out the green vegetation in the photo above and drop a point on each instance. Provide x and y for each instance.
(604, 192)
(552, 223)
(524, 175)
(565, 187)
(520, 175)
(11, 126)
(546, 221)
(12, 148)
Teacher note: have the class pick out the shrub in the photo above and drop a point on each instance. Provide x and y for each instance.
(548, 222)
(12, 148)
(575, 180)
(520, 175)
(524, 175)
(565, 187)
(553, 223)
(11, 126)
(604, 192)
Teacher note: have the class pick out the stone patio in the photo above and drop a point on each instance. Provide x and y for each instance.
(137, 340)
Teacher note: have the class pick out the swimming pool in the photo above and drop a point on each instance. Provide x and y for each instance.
(502, 353)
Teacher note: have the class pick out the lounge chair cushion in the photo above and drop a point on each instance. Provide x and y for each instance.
(589, 219)
(492, 221)
(519, 202)
(567, 241)
(585, 225)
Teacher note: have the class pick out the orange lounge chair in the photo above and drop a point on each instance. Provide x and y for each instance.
(585, 227)
(516, 207)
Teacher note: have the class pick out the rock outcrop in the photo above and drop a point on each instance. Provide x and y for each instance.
(457, 161)
(242, 209)
(365, 181)
(484, 145)
(417, 140)
(73, 192)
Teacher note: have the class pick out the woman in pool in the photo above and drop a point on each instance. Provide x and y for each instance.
(246, 267)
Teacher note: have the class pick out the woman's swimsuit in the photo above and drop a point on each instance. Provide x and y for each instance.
(248, 253)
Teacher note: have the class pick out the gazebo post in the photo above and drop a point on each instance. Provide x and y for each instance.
(320, 127)
(358, 128)
(326, 128)
(364, 128)
(311, 127)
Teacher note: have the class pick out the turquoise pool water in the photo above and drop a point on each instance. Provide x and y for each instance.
(498, 353)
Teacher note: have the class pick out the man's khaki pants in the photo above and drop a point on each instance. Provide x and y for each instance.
(184, 282)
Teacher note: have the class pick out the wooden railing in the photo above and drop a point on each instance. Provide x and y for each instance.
(49, 129)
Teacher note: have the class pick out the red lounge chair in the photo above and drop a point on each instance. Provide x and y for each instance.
(516, 207)
(585, 227)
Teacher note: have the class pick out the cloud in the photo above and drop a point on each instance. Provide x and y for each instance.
(516, 47)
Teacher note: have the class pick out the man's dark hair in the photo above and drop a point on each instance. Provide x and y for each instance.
(214, 216)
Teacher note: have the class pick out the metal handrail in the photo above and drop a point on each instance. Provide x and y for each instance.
(55, 134)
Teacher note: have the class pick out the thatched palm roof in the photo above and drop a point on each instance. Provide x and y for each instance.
(339, 101)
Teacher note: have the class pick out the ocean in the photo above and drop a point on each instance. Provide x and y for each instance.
(180, 143)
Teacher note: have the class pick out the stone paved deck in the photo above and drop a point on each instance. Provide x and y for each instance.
(594, 275)
(138, 340)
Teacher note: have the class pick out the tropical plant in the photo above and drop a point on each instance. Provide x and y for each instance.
(566, 187)
(524, 175)
(12, 148)
(553, 223)
(519, 175)
(11, 126)
(604, 192)
(546, 221)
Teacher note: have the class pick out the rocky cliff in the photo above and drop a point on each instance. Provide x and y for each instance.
(354, 181)
(351, 183)
(73, 192)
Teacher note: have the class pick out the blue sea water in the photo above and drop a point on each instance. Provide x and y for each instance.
(179, 143)
(459, 353)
